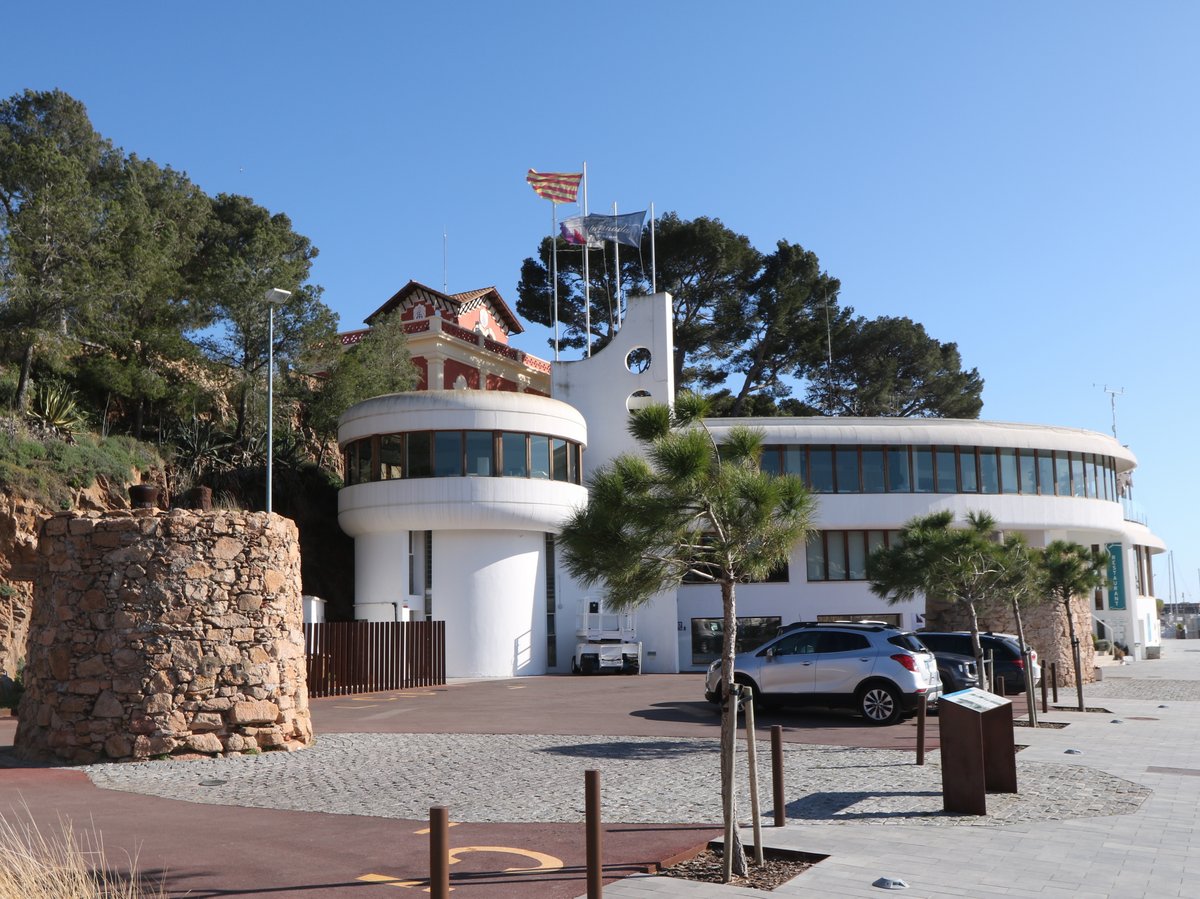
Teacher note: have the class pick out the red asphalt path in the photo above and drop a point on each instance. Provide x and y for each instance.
(215, 851)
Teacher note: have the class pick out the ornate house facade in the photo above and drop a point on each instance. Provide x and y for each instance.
(460, 341)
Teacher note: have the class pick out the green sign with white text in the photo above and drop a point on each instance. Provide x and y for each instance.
(1116, 576)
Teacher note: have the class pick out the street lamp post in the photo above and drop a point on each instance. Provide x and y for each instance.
(274, 297)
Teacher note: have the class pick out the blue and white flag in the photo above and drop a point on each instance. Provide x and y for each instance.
(594, 229)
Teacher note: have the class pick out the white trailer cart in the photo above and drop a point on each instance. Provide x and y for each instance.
(605, 642)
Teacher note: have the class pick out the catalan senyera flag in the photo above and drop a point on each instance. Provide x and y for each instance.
(557, 187)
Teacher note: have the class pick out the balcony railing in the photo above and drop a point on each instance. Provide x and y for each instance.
(1134, 512)
(450, 329)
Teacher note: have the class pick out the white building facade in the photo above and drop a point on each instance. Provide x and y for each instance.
(454, 496)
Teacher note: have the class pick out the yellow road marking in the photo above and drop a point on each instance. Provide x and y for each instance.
(385, 880)
(543, 861)
(426, 830)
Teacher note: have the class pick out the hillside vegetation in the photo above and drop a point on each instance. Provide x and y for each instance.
(134, 337)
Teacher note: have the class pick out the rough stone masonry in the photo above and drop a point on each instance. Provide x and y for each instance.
(157, 633)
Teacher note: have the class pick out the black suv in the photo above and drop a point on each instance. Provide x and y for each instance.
(1004, 650)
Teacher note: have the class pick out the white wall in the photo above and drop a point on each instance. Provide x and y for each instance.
(380, 575)
(490, 589)
(600, 386)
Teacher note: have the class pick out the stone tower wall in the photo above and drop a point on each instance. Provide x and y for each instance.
(1045, 631)
(159, 633)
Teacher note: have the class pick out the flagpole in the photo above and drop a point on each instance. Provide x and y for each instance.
(554, 268)
(587, 290)
(653, 272)
(617, 255)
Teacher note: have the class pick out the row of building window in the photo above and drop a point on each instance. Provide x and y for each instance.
(842, 555)
(824, 468)
(456, 454)
(831, 556)
(945, 469)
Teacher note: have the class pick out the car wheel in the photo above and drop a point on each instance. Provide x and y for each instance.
(879, 704)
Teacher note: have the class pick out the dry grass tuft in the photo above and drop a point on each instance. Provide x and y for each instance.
(62, 865)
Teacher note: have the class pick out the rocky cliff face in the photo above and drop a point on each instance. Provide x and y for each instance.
(19, 523)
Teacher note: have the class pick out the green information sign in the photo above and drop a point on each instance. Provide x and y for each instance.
(1116, 576)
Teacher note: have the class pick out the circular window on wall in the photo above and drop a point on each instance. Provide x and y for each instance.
(639, 399)
(638, 360)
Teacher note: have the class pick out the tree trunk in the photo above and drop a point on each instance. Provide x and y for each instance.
(1075, 660)
(239, 431)
(22, 400)
(976, 646)
(734, 855)
(1028, 662)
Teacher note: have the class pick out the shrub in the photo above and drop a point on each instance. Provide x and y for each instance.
(52, 471)
(61, 866)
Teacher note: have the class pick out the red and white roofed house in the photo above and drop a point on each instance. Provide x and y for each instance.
(459, 341)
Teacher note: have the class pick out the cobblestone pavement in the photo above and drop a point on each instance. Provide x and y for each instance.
(1145, 688)
(645, 780)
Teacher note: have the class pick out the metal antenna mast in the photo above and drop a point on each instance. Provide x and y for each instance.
(1113, 393)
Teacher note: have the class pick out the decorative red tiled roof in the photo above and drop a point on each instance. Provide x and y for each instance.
(452, 303)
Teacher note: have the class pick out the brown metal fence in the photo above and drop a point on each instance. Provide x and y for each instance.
(367, 656)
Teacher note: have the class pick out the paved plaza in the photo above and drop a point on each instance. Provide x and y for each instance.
(1107, 805)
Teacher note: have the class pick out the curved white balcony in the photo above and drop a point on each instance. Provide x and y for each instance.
(436, 504)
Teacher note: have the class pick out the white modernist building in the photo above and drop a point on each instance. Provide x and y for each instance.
(454, 496)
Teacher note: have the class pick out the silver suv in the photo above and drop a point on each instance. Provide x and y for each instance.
(879, 670)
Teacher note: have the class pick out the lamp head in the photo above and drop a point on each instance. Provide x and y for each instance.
(277, 297)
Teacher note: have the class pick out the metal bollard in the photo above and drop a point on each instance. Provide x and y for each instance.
(922, 712)
(1045, 702)
(1001, 686)
(439, 852)
(595, 835)
(1054, 679)
(777, 772)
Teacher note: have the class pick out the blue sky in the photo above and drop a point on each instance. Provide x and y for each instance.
(1020, 177)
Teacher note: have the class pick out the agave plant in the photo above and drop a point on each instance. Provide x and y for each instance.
(199, 450)
(55, 410)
